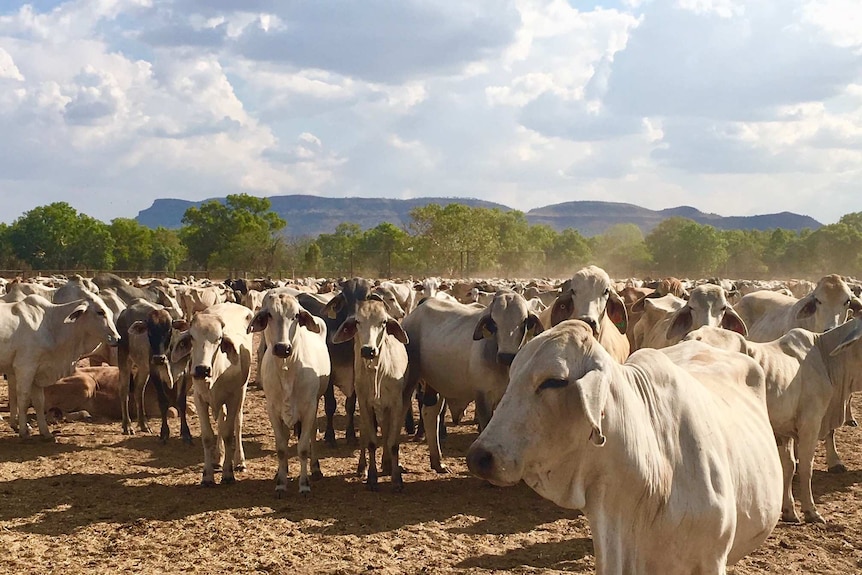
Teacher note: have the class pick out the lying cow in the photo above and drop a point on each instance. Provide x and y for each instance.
(648, 450)
(380, 365)
(90, 392)
(294, 374)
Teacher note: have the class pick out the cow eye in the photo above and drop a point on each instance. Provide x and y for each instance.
(607, 291)
(102, 313)
(817, 301)
(846, 303)
(553, 383)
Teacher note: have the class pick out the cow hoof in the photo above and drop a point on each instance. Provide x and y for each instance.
(240, 467)
(217, 467)
(398, 487)
(789, 517)
(840, 468)
(128, 432)
(813, 517)
(329, 438)
(351, 440)
(280, 491)
(316, 474)
(228, 479)
(207, 483)
(442, 469)
(851, 423)
(372, 486)
(48, 438)
(418, 438)
(304, 489)
(187, 439)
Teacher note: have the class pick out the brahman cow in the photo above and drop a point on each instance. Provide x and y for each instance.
(39, 341)
(294, 374)
(158, 292)
(670, 455)
(769, 315)
(707, 305)
(380, 365)
(219, 350)
(590, 297)
(809, 377)
(463, 352)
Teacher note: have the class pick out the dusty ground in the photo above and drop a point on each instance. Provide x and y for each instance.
(100, 502)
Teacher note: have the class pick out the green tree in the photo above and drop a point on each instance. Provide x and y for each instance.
(168, 250)
(56, 236)
(313, 258)
(682, 247)
(621, 250)
(239, 233)
(339, 248)
(133, 244)
(569, 252)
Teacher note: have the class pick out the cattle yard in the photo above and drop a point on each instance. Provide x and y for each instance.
(101, 502)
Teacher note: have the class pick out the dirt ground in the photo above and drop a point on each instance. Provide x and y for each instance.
(100, 502)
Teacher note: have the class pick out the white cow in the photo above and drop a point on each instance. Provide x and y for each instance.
(648, 450)
(39, 341)
(808, 376)
(219, 350)
(294, 374)
(380, 367)
(769, 315)
(591, 298)
(462, 352)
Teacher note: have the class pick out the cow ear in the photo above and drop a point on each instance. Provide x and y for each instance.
(306, 320)
(486, 328)
(808, 308)
(592, 391)
(533, 326)
(182, 348)
(138, 328)
(180, 324)
(346, 331)
(562, 308)
(334, 306)
(394, 328)
(375, 296)
(76, 313)
(733, 322)
(638, 306)
(855, 305)
(230, 348)
(616, 310)
(418, 287)
(680, 324)
(258, 322)
(849, 339)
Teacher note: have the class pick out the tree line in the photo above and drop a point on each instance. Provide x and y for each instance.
(243, 234)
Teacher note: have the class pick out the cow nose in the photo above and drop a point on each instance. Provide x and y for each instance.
(505, 358)
(160, 359)
(592, 323)
(480, 461)
(368, 352)
(281, 350)
(202, 371)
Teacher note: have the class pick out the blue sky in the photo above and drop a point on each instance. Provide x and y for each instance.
(732, 107)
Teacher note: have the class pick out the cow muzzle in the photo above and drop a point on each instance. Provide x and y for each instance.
(202, 372)
(592, 323)
(159, 359)
(505, 358)
(282, 350)
(368, 352)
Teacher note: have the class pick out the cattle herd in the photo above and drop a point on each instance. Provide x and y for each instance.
(670, 411)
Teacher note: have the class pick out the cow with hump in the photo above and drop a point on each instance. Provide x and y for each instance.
(380, 365)
(649, 450)
(218, 348)
(294, 373)
(462, 353)
(590, 297)
(40, 341)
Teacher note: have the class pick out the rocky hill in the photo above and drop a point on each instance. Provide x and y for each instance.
(313, 215)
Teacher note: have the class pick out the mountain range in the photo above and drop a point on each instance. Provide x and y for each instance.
(314, 215)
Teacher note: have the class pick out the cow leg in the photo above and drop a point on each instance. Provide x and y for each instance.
(329, 407)
(350, 409)
(12, 386)
(208, 440)
(420, 426)
(305, 448)
(23, 384)
(788, 465)
(432, 407)
(239, 457)
(833, 459)
(38, 398)
(483, 411)
(282, 433)
(126, 382)
(392, 436)
(140, 382)
(164, 405)
(807, 444)
(227, 433)
(182, 406)
(849, 420)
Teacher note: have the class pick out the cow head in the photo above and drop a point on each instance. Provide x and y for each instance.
(589, 297)
(707, 306)
(158, 328)
(203, 343)
(828, 305)
(368, 327)
(387, 295)
(509, 323)
(94, 318)
(279, 316)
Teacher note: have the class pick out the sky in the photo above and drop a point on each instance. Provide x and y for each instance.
(733, 107)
